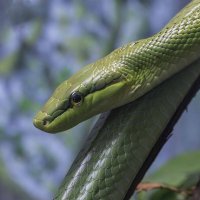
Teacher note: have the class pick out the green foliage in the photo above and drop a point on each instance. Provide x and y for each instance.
(8, 188)
(7, 63)
(35, 31)
(63, 75)
(178, 169)
(42, 41)
(181, 172)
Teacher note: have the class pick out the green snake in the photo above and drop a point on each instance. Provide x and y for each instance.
(117, 79)
(124, 142)
(125, 74)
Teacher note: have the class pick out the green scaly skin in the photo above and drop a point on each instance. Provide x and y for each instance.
(119, 145)
(125, 74)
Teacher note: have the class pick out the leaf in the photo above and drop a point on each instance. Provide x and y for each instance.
(166, 195)
(178, 169)
(182, 172)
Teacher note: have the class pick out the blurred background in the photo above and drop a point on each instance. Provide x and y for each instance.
(41, 44)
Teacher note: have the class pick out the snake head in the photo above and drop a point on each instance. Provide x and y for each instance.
(62, 114)
(82, 96)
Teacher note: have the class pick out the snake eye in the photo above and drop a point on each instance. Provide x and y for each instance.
(45, 122)
(76, 98)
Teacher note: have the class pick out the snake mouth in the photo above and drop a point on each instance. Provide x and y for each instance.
(48, 124)
(41, 122)
(38, 123)
(43, 119)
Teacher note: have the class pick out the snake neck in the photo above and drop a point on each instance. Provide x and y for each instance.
(146, 63)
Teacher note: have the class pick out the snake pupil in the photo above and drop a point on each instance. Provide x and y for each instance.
(76, 98)
(45, 122)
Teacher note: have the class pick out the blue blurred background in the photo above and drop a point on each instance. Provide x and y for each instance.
(41, 44)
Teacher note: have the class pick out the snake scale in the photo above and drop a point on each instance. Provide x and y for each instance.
(124, 75)
(125, 141)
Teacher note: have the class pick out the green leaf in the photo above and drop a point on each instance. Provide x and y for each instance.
(182, 172)
(177, 170)
(166, 195)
